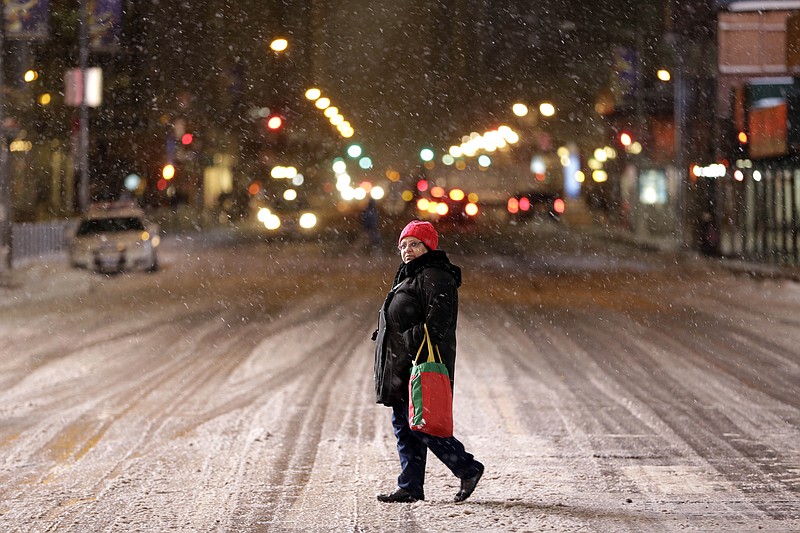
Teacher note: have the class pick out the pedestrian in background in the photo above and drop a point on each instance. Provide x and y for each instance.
(369, 221)
(424, 292)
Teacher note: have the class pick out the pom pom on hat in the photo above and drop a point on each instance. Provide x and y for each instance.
(423, 231)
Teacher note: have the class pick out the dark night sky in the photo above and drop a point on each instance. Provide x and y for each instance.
(416, 71)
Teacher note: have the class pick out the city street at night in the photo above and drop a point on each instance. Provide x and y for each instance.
(606, 387)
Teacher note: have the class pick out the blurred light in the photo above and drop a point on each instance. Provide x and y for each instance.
(20, 146)
(442, 209)
(757, 175)
(426, 154)
(663, 75)
(377, 193)
(513, 206)
(339, 166)
(635, 148)
(580, 177)
(323, 103)
(44, 99)
(274, 122)
(254, 188)
(484, 160)
(407, 196)
(393, 175)
(437, 192)
(457, 195)
(290, 195)
(600, 176)
(563, 152)
(738, 175)
(422, 204)
(354, 150)
(308, 220)
(187, 139)
(520, 109)
(298, 180)
(336, 119)
(625, 138)
(594, 164)
(168, 172)
(422, 185)
(742, 137)
(262, 214)
(365, 163)
(132, 181)
(331, 112)
(313, 93)
(272, 221)
(279, 45)
(30, 76)
(547, 109)
(559, 206)
(471, 209)
(538, 165)
(601, 155)
(359, 193)
(610, 152)
(455, 151)
(448, 159)
(461, 165)
(472, 197)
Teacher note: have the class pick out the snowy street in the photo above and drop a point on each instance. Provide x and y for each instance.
(605, 388)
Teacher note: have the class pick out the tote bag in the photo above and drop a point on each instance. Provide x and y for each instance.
(430, 398)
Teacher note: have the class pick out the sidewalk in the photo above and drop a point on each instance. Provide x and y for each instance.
(668, 244)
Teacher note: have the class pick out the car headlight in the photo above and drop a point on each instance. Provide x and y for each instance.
(272, 222)
(308, 220)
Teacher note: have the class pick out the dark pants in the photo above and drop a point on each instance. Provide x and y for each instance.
(412, 446)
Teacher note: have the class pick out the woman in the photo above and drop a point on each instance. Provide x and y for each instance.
(425, 291)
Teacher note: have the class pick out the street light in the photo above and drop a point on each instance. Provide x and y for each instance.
(279, 45)
(547, 109)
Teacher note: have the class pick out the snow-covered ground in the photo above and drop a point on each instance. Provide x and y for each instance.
(605, 390)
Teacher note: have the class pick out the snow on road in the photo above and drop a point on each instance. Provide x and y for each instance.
(232, 391)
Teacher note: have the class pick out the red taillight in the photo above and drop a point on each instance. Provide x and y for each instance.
(559, 206)
(513, 206)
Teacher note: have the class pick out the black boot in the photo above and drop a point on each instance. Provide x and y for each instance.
(468, 486)
(399, 496)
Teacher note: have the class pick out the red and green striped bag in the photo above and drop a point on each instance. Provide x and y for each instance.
(430, 398)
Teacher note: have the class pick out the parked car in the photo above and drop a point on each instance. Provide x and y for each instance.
(113, 238)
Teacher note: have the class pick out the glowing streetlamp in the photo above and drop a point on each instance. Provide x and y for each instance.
(279, 45)
(519, 109)
(547, 109)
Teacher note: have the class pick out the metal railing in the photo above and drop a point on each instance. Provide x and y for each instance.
(35, 239)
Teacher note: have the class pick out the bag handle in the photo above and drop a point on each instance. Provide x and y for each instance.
(431, 353)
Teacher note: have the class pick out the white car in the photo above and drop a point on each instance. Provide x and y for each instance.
(113, 239)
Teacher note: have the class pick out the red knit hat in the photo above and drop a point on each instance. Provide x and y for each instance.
(423, 231)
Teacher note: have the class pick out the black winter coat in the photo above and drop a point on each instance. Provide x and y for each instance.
(425, 291)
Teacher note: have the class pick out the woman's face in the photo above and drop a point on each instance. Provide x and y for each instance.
(411, 248)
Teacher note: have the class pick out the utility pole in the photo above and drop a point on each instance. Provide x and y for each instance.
(6, 207)
(83, 136)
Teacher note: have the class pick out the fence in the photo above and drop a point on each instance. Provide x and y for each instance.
(34, 239)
